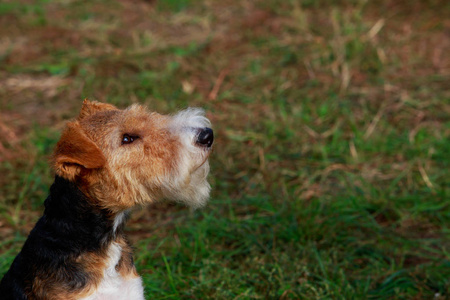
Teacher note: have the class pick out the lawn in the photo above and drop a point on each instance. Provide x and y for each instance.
(330, 170)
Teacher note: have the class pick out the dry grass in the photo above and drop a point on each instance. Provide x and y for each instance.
(331, 166)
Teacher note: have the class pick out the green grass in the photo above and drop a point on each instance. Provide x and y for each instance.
(330, 170)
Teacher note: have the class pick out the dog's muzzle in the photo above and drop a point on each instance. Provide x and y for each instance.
(205, 137)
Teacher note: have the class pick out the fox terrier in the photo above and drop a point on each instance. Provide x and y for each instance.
(107, 162)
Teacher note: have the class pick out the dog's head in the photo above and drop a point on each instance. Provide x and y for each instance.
(121, 158)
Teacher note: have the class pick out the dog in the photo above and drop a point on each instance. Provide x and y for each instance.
(107, 162)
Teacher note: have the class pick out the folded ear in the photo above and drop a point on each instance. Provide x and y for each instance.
(76, 152)
(91, 107)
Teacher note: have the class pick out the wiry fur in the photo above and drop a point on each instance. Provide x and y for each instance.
(168, 165)
(190, 186)
(78, 250)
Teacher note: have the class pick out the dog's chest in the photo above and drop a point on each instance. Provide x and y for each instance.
(113, 286)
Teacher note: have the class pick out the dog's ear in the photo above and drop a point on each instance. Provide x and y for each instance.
(91, 107)
(76, 152)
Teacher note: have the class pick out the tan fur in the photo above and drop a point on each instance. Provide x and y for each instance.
(133, 172)
(163, 162)
(126, 266)
(47, 285)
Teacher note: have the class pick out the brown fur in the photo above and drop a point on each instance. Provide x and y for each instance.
(90, 164)
(53, 285)
(115, 177)
(126, 266)
(48, 285)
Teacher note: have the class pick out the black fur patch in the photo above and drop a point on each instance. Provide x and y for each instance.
(69, 226)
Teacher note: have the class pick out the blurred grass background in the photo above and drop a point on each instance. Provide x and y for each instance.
(330, 171)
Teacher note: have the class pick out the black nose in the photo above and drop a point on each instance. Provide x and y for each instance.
(205, 137)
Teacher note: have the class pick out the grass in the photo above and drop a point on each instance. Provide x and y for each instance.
(330, 171)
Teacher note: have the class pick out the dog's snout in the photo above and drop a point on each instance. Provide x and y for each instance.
(205, 137)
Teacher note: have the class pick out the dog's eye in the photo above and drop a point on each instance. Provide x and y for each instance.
(128, 139)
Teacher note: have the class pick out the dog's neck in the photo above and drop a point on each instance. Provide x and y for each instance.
(74, 222)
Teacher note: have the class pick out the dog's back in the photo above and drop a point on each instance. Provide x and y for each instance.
(48, 265)
(13, 284)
